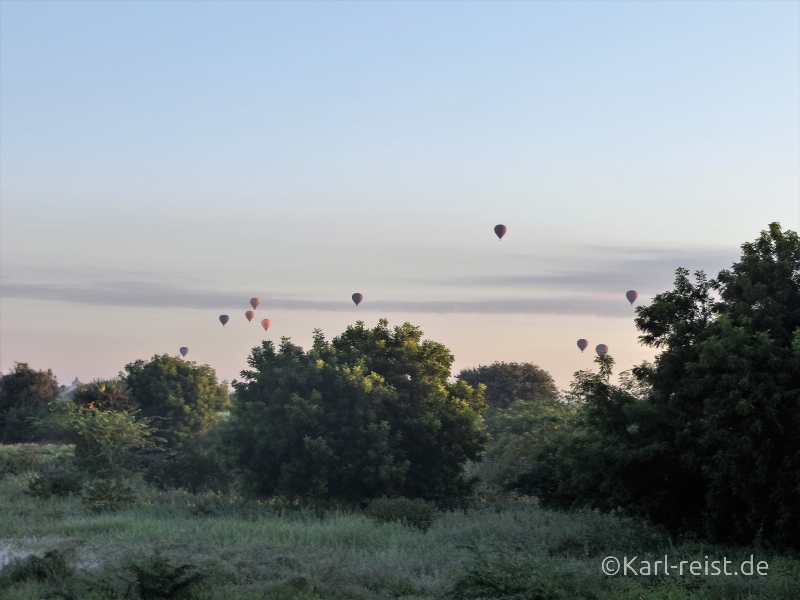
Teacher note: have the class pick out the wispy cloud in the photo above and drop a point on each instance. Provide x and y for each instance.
(594, 287)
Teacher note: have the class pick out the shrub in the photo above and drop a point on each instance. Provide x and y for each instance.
(58, 478)
(107, 494)
(52, 567)
(156, 578)
(414, 513)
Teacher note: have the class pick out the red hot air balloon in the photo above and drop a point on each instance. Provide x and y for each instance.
(500, 231)
(357, 298)
(249, 314)
(265, 323)
(223, 319)
(601, 349)
(254, 302)
(583, 344)
(184, 351)
(631, 295)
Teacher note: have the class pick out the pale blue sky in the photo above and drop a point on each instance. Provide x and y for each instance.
(161, 163)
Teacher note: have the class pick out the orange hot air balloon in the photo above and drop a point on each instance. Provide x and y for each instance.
(223, 319)
(254, 302)
(583, 344)
(184, 351)
(249, 314)
(500, 231)
(265, 323)
(357, 298)
(601, 349)
(631, 295)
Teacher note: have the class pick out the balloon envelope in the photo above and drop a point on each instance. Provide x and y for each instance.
(583, 344)
(500, 231)
(265, 323)
(601, 349)
(631, 295)
(184, 351)
(249, 314)
(223, 319)
(357, 298)
(254, 302)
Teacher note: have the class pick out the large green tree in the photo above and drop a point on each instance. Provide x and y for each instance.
(181, 398)
(368, 414)
(24, 396)
(707, 437)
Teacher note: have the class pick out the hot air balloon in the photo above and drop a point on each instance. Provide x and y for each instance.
(265, 323)
(184, 351)
(601, 349)
(254, 302)
(631, 295)
(583, 344)
(249, 314)
(223, 319)
(357, 298)
(500, 231)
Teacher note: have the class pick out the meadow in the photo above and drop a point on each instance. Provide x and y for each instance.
(175, 544)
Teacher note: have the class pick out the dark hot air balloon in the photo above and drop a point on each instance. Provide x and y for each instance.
(254, 302)
(249, 314)
(601, 349)
(500, 231)
(357, 298)
(265, 323)
(184, 351)
(223, 319)
(583, 344)
(631, 295)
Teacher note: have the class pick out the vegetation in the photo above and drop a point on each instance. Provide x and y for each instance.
(508, 382)
(181, 397)
(24, 397)
(369, 414)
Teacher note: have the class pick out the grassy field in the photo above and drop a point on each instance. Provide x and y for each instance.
(179, 545)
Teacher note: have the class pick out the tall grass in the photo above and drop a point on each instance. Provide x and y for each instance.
(232, 547)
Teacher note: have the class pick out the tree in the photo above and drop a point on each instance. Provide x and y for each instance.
(506, 382)
(182, 398)
(110, 394)
(368, 414)
(24, 396)
(707, 438)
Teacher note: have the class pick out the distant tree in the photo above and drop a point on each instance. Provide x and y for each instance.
(24, 396)
(109, 394)
(183, 399)
(370, 413)
(506, 382)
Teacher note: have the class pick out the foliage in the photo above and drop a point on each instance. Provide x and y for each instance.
(156, 578)
(507, 382)
(51, 567)
(24, 397)
(104, 394)
(182, 398)
(369, 414)
(57, 478)
(414, 513)
(707, 438)
(200, 465)
(101, 495)
(105, 441)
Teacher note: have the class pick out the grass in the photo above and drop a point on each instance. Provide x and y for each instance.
(176, 544)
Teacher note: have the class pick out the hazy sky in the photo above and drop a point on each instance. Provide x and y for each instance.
(162, 162)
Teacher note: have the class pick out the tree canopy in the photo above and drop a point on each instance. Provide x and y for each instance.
(182, 398)
(506, 382)
(370, 413)
(24, 396)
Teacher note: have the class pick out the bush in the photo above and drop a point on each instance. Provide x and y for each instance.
(58, 478)
(52, 568)
(414, 513)
(156, 578)
(107, 494)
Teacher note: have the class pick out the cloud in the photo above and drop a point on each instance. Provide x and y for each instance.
(593, 287)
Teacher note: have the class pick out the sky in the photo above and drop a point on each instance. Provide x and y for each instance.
(163, 162)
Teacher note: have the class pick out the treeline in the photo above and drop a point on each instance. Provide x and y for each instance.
(704, 441)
